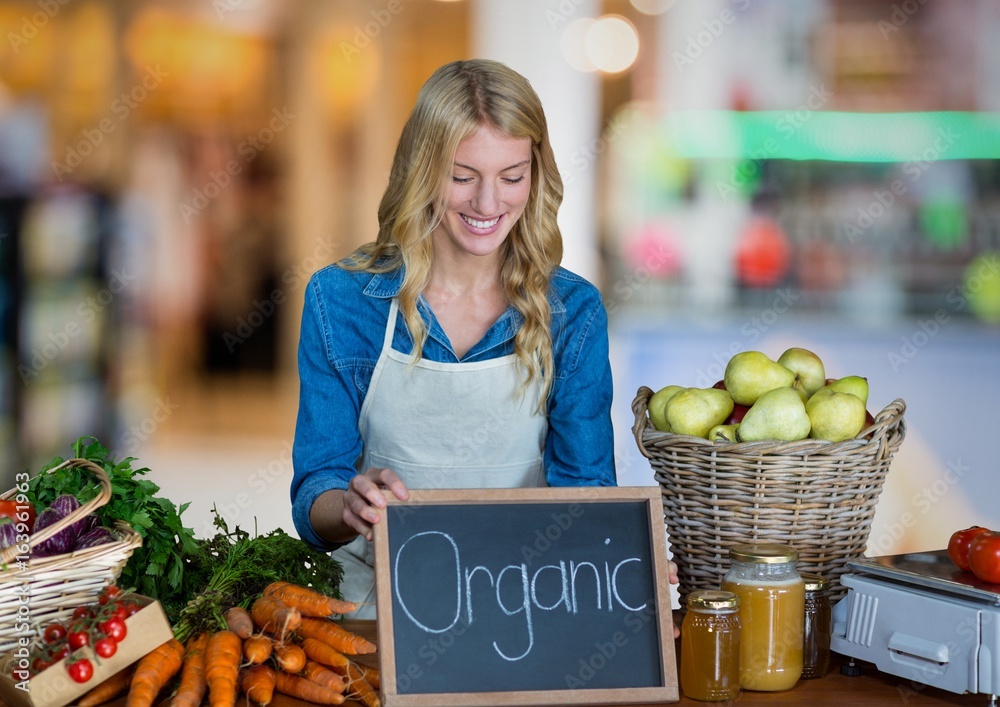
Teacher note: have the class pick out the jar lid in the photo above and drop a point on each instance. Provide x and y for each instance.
(814, 583)
(712, 599)
(766, 553)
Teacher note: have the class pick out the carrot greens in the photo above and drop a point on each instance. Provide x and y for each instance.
(235, 567)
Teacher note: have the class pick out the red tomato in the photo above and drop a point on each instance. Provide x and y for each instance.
(81, 670)
(61, 652)
(115, 628)
(81, 612)
(984, 556)
(958, 545)
(107, 594)
(78, 639)
(39, 665)
(18, 512)
(106, 647)
(54, 633)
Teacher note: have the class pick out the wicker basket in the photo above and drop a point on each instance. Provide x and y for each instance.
(815, 495)
(39, 590)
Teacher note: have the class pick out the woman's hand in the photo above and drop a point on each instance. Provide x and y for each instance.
(673, 579)
(365, 498)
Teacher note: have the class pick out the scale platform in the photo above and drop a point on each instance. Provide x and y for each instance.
(919, 617)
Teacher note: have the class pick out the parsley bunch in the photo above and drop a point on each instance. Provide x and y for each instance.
(156, 568)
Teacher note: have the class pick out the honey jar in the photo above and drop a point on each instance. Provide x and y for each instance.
(710, 646)
(771, 597)
(817, 627)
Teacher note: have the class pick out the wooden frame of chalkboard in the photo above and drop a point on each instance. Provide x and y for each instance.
(548, 596)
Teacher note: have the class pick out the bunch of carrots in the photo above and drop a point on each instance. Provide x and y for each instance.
(286, 643)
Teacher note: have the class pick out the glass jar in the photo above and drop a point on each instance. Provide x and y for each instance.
(817, 627)
(710, 646)
(772, 613)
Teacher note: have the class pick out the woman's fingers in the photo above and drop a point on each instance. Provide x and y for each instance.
(365, 497)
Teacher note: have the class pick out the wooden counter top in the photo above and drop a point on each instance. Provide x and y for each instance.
(870, 689)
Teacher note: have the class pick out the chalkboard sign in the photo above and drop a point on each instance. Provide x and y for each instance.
(525, 597)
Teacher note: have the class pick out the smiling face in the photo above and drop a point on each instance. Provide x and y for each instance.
(487, 192)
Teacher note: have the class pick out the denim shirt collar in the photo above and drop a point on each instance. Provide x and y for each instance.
(387, 285)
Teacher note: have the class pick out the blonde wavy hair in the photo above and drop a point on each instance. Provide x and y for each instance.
(457, 100)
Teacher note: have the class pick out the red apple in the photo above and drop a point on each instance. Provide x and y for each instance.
(721, 385)
(736, 417)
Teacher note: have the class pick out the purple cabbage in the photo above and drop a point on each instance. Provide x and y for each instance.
(98, 535)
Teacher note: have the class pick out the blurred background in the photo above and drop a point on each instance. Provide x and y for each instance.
(740, 174)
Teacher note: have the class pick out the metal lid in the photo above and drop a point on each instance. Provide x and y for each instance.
(712, 599)
(764, 553)
(814, 583)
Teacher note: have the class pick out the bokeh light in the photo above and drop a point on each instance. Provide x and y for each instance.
(653, 7)
(573, 41)
(612, 44)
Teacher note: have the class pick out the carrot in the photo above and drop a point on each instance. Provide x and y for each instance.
(153, 671)
(239, 622)
(335, 635)
(372, 675)
(295, 686)
(290, 657)
(257, 649)
(308, 601)
(222, 664)
(324, 653)
(273, 616)
(319, 673)
(192, 688)
(358, 687)
(106, 691)
(257, 683)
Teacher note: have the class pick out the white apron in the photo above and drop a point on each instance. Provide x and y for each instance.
(442, 425)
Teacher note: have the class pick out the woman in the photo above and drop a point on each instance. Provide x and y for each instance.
(453, 352)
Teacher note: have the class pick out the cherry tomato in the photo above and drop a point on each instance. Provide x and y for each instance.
(115, 628)
(39, 665)
(81, 612)
(18, 512)
(54, 633)
(984, 556)
(107, 594)
(81, 670)
(106, 647)
(958, 546)
(61, 652)
(78, 639)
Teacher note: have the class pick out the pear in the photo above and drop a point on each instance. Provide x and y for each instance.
(835, 416)
(723, 433)
(750, 374)
(855, 385)
(657, 404)
(778, 414)
(695, 411)
(810, 373)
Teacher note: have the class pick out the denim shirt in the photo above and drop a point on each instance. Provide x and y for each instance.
(343, 326)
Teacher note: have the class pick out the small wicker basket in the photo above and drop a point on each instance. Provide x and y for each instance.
(815, 495)
(36, 591)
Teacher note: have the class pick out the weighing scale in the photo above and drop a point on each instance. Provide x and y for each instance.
(919, 617)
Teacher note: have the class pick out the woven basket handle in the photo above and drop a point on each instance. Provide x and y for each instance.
(85, 509)
(639, 405)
